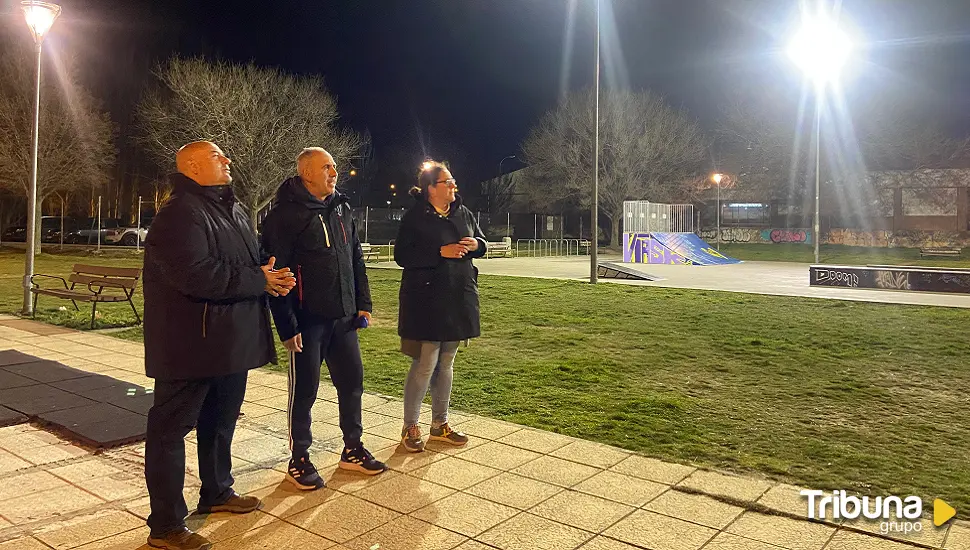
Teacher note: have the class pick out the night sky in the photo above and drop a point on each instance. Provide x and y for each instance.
(465, 79)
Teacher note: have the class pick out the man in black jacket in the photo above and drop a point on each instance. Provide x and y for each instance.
(312, 232)
(206, 326)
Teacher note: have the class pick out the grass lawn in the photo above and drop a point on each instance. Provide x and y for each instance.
(822, 393)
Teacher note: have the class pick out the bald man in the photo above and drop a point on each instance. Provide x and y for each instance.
(207, 324)
(311, 230)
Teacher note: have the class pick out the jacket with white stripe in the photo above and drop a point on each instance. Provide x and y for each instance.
(317, 239)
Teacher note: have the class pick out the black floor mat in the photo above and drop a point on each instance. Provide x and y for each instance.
(14, 357)
(93, 409)
(10, 417)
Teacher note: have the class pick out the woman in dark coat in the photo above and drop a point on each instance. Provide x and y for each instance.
(435, 245)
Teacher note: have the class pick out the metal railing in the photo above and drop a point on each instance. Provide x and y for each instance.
(539, 248)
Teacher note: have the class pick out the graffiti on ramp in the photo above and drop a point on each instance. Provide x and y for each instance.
(671, 249)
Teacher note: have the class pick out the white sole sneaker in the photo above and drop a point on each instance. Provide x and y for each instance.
(446, 440)
(411, 449)
(351, 467)
(301, 486)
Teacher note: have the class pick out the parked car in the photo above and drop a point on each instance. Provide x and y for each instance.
(50, 228)
(87, 231)
(126, 236)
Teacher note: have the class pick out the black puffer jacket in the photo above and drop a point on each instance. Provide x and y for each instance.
(439, 296)
(318, 241)
(205, 303)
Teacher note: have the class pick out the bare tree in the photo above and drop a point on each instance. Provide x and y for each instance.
(260, 117)
(896, 135)
(765, 140)
(647, 150)
(499, 193)
(75, 150)
(762, 143)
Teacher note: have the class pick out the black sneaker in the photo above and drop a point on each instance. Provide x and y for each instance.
(302, 474)
(360, 460)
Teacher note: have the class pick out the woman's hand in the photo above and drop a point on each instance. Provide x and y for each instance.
(454, 250)
(471, 243)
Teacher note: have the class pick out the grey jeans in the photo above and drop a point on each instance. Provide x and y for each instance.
(433, 367)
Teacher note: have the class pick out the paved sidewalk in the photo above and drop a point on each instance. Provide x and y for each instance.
(511, 488)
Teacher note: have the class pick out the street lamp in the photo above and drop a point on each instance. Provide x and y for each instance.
(593, 257)
(40, 17)
(820, 49)
(503, 161)
(488, 196)
(717, 179)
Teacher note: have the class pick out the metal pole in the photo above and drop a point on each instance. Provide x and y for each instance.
(97, 229)
(718, 215)
(498, 182)
(818, 156)
(366, 223)
(508, 224)
(62, 223)
(28, 307)
(593, 260)
(138, 230)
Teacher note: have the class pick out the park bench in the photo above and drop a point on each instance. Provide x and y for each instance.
(370, 253)
(946, 252)
(92, 283)
(584, 245)
(498, 250)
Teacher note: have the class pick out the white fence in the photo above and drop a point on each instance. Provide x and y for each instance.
(538, 248)
(647, 217)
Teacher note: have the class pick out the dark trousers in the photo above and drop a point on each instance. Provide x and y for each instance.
(333, 341)
(211, 405)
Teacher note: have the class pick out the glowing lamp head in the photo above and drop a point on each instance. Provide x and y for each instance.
(40, 17)
(820, 49)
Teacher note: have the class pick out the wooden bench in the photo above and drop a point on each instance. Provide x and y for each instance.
(947, 252)
(498, 250)
(97, 284)
(369, 252)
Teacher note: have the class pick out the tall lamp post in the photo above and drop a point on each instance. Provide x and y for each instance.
(717, 179)
(488, 196)
(40, 17)
(820, 49)
(594, 214)
(501, 162)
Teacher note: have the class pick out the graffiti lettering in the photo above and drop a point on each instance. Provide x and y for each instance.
(788, 236)
(731, 235)
(896, 280)
(836, 278)
(960, 280)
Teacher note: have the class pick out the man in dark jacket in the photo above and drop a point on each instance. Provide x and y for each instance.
(312, 232)
(206, 326)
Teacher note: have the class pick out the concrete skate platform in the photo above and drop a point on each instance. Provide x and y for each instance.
(774, 278)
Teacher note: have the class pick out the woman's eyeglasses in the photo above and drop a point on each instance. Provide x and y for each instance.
(450, 181)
